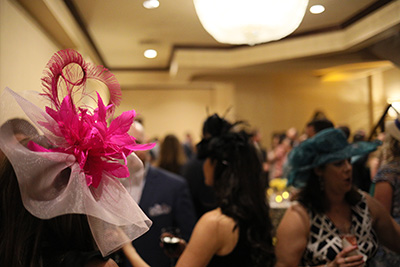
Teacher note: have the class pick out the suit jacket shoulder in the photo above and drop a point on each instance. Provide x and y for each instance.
(164, 176)
(166, 201)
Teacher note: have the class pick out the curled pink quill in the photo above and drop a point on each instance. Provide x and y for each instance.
(97, 148)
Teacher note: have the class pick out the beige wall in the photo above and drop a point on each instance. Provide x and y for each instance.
(178, 111)
(270, 104)
(391, 83)
(291, 102)
(24, 49)
(168, 111)
(277, 103)
(24, 52)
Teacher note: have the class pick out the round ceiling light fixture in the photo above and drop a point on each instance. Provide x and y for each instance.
(250, 21)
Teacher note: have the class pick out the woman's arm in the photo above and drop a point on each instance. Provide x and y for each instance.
(292, 235)
(384, 193)
(387, 229)
(133, 257)
(205, 241)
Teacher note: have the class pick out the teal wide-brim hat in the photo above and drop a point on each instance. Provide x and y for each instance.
(327, 146)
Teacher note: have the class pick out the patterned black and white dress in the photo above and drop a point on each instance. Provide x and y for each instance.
(324, 241)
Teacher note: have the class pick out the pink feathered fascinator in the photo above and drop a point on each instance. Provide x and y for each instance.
(82, 142)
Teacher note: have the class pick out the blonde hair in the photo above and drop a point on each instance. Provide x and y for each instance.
(390, 149)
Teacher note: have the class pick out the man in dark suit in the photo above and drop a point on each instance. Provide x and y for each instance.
(203, 196)
(166, 200)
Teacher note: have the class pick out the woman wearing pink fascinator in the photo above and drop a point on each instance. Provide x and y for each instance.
(62, 201)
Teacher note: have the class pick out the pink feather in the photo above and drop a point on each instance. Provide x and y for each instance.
(66, 73)
(97, 148)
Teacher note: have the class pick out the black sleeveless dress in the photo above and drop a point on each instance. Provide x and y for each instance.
(239, 257)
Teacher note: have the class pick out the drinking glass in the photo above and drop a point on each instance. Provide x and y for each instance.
(172, 243)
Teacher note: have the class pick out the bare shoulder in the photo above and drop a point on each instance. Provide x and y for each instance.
(295, 222)
(207, 225)
(298, 213)
(298, 208)
(216, 218)
(292, 235)
(206, 240)
(212, 215)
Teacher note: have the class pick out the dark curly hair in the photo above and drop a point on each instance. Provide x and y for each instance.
(313, 198)
(240, 189)
(213, 126)
(26, 240)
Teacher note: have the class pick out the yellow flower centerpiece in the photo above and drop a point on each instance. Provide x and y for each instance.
(277, 192)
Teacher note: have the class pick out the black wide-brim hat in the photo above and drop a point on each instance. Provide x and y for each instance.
(325, 147)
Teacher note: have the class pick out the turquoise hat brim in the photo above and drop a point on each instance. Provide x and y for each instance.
(316, 152)
(355, 149)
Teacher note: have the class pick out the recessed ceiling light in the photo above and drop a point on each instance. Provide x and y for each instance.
(151, 4)
(317, 9)
(150, 53)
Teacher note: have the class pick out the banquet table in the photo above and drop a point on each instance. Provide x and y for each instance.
(277, 210)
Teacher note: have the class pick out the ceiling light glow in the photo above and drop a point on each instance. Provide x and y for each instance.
(317, 9)
(392, 112)
(250, 21)
(151, 4)
(150, 53)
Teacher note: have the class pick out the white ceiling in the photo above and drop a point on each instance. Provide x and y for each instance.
(123, 31)
(116, 33)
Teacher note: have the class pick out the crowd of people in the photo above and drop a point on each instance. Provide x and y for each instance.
(76, 190)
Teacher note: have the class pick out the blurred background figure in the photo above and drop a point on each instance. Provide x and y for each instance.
(238, 231)
(329, 207)
(203, 195)
(277, 155)
(188, 146)
(317, 125)
(361, 170)
(387, 187)
(346, 130)
(293, 136)
(359, 135)
(172, 156)
(165, 199)
(376, 159)
(155, 151)
(256, 138)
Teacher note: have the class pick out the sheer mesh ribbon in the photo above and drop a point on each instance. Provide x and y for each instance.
(80, 173)
(113, 215)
